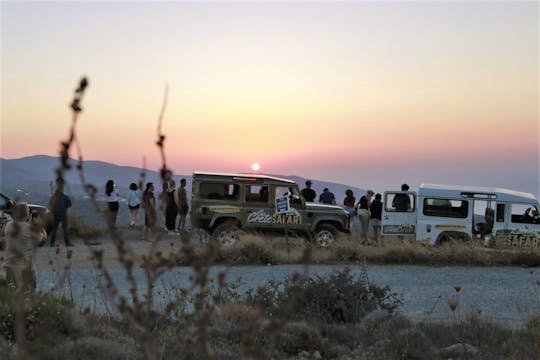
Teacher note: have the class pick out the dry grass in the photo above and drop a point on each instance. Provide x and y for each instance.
(261, 250)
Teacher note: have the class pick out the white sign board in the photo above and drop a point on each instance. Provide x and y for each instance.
(282, 205)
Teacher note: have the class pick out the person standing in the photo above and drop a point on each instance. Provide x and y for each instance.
(363, 212)
(308, 193)
(171, 207)
(162, 205)
(348, 204)
(183, 207)
(20, 244)
(111, 196)
(402, 202)
(134, 203)
(375, 217)
(59, 205)
(149, 206)
(327, 197)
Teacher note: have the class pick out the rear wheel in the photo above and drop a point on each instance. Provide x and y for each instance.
(325, 235)
(227, 234)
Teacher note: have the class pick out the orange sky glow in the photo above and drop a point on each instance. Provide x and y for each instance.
(370, 94)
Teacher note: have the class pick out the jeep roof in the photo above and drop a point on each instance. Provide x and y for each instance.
(247, 178)
(456, 191)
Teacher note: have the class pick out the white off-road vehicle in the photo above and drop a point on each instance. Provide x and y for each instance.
(439, 213)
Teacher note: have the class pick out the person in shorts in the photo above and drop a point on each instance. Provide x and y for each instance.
(134, 203)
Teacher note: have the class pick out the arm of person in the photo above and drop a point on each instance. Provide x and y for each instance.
(176, 199)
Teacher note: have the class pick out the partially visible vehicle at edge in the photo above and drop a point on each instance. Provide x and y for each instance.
(496, 217)
(6, 207)
(227, 205)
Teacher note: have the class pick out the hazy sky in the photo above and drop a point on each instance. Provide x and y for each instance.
(371, 94)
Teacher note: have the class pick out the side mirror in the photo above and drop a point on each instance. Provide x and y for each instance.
(10, 204)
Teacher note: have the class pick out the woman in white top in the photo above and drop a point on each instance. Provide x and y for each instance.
(112, 197)
(134, 203)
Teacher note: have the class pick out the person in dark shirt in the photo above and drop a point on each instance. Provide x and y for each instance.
(308, 193)
(327, 197)
(375, 217)
(59, 205)
(402, 202)
(349, 202)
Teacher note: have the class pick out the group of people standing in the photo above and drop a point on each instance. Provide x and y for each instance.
(173, 203)
(135, 201)
(365, 213)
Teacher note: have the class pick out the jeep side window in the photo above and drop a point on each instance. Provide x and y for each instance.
(232, 191)
(218, 191)
(399, 202)
(500, 212)
(255, 193)
(525, 214)
(446, 208)
(292, 192)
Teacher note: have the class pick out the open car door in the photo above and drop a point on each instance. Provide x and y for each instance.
(399, 214)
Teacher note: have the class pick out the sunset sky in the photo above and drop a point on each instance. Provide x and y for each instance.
(371, 94)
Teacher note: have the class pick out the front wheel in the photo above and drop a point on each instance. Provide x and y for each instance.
(325, 235)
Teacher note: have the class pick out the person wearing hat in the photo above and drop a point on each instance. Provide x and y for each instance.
(308, 193)
(363, 212)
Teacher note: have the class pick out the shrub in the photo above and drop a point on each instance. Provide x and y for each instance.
(43, 313)
(339, 297)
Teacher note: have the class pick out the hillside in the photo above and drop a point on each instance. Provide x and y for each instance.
(27, 179)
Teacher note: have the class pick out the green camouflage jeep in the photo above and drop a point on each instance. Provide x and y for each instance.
(227, 205)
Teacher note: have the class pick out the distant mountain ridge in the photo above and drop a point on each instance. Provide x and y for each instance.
(38, 170)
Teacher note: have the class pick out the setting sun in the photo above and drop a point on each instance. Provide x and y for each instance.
(255, 167)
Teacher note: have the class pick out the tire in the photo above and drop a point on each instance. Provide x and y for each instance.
(325, 235)
(227, 234)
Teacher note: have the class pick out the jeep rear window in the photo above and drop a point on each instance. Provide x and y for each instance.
(218, 191)
(446, 208)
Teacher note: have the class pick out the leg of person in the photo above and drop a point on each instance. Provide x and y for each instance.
(136, 217)
(169, 220)
(56, 222)
(365, 224)
(65, 230)
(28, 279)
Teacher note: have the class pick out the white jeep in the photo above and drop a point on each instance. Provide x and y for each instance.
(439, 213)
